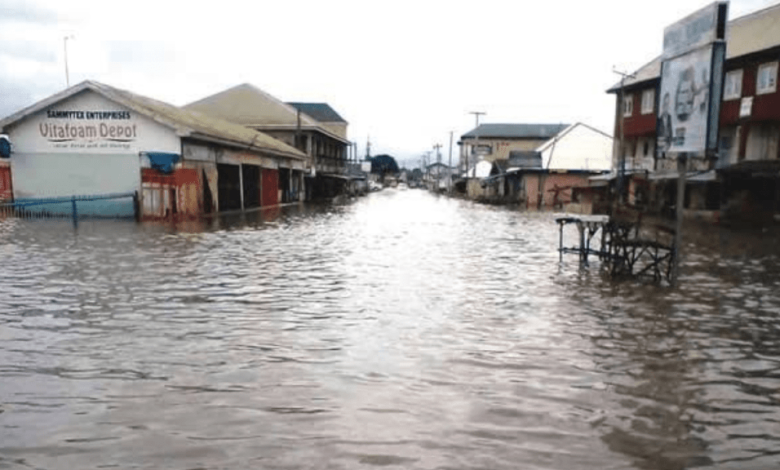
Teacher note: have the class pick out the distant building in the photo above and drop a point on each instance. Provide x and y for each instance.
(491, 142)
(94, 139)
(546, 175)
(438, 176)
(746, 175)
(324, 142)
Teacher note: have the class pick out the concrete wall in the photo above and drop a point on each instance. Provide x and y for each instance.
(500, 148)
(549, 182)
(474, 189)
(338, 128)
(579, 148)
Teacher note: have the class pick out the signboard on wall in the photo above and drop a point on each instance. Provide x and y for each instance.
(106, 129)
(692, 82)
(88, 123)
(745, 106)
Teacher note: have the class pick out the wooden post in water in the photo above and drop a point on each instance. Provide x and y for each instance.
(75, 212)
(682, 168)
(136, 207)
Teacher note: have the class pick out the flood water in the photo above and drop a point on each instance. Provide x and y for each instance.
(403, 330)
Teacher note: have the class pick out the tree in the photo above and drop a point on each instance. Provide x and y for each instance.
(383, 165)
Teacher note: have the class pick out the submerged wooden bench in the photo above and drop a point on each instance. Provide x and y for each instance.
(631, 245)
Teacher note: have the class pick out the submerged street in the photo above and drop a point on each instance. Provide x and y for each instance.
(403, 330)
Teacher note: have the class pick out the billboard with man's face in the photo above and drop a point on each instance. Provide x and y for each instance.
(692, 82)
(683, 102)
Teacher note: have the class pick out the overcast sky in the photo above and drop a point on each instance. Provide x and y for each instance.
(404, 72)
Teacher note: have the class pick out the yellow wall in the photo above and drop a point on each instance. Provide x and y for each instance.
(500, 148)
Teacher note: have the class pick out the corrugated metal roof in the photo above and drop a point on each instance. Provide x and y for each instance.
(515, 131)
(321, 112)
(250, 106)
(744, 35)
(186, 123)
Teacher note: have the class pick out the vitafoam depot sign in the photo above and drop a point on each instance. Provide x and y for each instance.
(61, 126)
(91, 124)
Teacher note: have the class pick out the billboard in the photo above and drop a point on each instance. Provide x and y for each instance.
(684, 102)
(692, 83)
(698, 29)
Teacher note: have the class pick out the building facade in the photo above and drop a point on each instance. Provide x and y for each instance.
(93, 140)
(494, 142)
(325, 144)
(547, 175)
(743, 178)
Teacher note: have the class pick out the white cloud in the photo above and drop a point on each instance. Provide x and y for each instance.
(404, 72)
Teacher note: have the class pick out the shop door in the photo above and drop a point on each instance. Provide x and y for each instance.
(270, 187)
(228, 187)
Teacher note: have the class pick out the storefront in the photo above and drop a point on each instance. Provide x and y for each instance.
(93, 140)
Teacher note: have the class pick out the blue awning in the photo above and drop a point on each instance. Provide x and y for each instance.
(162, 161)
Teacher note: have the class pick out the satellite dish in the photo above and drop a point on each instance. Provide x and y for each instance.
(5, 146)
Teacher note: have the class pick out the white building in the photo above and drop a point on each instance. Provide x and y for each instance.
(93, 139)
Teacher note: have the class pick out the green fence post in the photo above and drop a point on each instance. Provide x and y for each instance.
(75, 212)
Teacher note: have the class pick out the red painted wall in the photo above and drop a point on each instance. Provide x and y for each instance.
(639, 124)
(270, 189)
(179, 177)
(765, 107)
(186, 183)
(6, 191)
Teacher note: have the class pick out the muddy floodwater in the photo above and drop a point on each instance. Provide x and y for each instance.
(402, 330)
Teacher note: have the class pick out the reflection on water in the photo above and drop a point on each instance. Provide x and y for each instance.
(403, 330)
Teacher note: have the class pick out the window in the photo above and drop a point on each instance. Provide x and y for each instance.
(628, 105)
(732, 89)
(481, 149)
(648, 101)
(762, 142)
(766, 80)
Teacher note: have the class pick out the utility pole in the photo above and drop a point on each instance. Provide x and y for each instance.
(368, 147)
(476, 114)
(449, 169)
(65, 46)
(298, 130)
(682, 169)
(621, 152)
(437, 147)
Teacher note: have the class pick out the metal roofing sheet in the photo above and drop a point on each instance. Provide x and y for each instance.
(321, 112)
(515, 131)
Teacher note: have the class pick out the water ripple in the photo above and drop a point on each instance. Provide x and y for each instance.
(405, 330)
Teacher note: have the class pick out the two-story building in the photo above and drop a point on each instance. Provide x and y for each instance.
(494, 142)
(324, 142)
(744, 177)
(547, 175)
